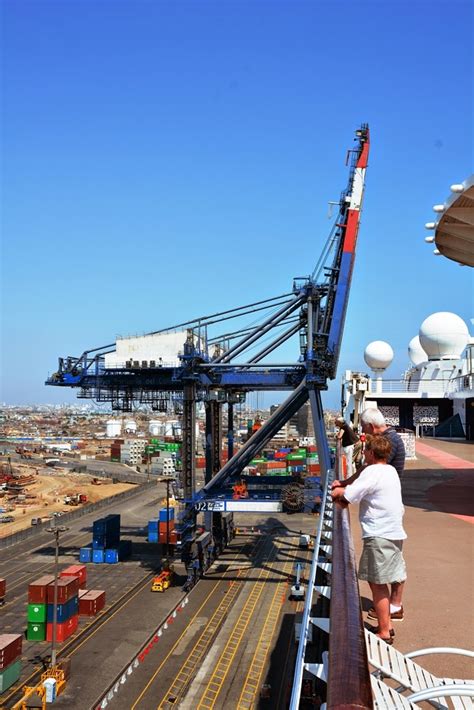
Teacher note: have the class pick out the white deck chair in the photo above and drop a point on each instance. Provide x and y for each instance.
(390, 663)
(386, 698)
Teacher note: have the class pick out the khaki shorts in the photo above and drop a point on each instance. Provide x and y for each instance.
(382, 561)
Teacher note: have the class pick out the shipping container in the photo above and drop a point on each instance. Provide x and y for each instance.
(111, 557)
(64, 611)
(67, 588)
(153, 537)
(163, 527)
(92, 602)
(63, 631)
(153, 526)
(10, 649)
(85, 554)
(36, 613)
(37, 590)
(164, 514)
(3, 588)
(75, 571)
(9, 675)
(98, 556)
(36, 631)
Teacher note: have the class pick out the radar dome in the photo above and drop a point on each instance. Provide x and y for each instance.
(443, 336)
(378, 355)
(415, 351)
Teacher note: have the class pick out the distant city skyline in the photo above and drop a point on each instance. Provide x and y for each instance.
(163, 160)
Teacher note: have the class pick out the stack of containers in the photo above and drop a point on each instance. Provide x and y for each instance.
(37, 608)
(272, 468)
(106, 544)
(153, 531)
(10, 663)
(312, 461)
(105, 534)
(67, 609)
(115, 448)
(296, 462)
(166, 525)
(157, 529)
(3, 590)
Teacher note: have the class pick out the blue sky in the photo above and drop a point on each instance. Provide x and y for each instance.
(164, 160)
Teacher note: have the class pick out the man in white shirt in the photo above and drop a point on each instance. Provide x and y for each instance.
(378, 491)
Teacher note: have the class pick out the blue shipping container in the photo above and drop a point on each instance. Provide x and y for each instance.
(98, 556)
(163, 515)
(153, 525)
(152, 537)
(85, 554)
(65, 611)
(111, 557)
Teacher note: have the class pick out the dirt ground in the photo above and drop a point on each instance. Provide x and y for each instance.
(49, 490)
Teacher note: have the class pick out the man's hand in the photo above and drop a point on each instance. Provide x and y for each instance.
(337, 484)
(337, 494)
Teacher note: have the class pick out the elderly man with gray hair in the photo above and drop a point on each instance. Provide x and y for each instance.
(373, 422)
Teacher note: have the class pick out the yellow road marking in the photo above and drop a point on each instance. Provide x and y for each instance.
(145, 689)
(257, 664)
(222, 668)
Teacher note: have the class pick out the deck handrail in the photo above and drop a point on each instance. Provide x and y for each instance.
(348, 668)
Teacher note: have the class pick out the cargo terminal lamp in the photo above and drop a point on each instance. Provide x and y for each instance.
(174, 368)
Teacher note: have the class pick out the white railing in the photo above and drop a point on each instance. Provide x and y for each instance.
(456, 384)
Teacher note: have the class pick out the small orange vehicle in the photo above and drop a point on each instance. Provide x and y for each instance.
(162, 581)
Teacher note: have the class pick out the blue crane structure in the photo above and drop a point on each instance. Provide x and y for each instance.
(208, 371)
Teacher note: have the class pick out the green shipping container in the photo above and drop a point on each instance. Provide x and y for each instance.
(36, 632)
(36, 613)
(9, 675)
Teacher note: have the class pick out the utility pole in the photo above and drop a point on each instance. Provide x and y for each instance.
(56, 530)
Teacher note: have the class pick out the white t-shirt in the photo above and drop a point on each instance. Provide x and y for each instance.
(381, 509)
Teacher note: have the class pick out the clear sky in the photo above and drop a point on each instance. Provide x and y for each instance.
(165, 160)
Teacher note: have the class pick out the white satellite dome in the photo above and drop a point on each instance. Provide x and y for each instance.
(415, 351)
(378, 355)
(443, 336)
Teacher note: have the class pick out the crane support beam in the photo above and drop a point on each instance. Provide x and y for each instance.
(258, 440)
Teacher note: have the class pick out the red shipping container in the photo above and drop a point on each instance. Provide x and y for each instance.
(313, 468)
(67, 588)
(162, 526)
(3, 588)
(75, 571)
(37, 590)
(82, 592)
(64, 630)
(10, 649)
(173, 537)
(91, 603)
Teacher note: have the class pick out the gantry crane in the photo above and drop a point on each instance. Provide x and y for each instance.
(208, 370)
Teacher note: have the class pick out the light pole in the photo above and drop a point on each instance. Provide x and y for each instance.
(167, 481)
(56, 530)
